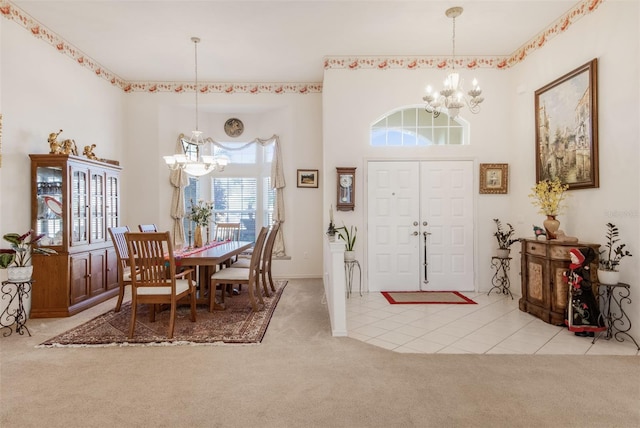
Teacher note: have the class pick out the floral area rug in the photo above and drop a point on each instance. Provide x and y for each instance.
(236, 324)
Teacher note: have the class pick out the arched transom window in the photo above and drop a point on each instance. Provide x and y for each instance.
(413, 126)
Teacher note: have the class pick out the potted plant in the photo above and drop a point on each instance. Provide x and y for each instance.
(331, 231)
(200, 214)
(505, 238)
(611, 256)
(548, 195)
(18, 259)
(349, 238)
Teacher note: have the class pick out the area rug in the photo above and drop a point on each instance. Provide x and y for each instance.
(237, 324)
(426, 297)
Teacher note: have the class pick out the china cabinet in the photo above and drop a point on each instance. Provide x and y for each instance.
(544, 289)
(74, 200)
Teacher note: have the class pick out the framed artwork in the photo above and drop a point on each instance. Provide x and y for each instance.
(494, 177)
(307, 178)
(567, 128)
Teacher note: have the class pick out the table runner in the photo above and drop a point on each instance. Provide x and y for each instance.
(188, 251)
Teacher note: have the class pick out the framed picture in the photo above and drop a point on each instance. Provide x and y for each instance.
(307, 178)
(494, 177)
(567, 128)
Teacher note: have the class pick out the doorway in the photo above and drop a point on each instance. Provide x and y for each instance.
(420, 225)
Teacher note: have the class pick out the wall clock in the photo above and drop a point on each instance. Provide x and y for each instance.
(234, 127)
(346, 189)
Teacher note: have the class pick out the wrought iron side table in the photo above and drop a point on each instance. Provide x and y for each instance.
(348, 271)
(500, 281)
(13, 290)
(615, 319)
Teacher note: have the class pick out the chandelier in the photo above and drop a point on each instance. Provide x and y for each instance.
(192, 160)
(452, 97)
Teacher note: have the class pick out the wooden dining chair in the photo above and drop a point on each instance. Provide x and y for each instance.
(156, 281)
(122, 254)
(227, 232)
(148, 228)
(265, 262)
(249, 276)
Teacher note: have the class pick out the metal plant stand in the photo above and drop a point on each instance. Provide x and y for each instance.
(13, 290)
(348, 271)
(500, 280)
(612, 313)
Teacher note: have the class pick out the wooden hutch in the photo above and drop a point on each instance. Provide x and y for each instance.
(544, 290)
(74, 200)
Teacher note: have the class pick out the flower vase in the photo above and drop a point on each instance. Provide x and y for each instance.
(197, 237)
(551, 226)
(19, 273)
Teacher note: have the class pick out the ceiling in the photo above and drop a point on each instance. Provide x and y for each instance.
(281, 41)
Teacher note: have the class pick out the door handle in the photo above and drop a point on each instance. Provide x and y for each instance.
(415, 233)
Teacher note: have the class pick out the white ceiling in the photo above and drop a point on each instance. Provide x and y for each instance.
(281, 41)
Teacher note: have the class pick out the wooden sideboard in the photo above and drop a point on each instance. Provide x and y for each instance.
(544, 291)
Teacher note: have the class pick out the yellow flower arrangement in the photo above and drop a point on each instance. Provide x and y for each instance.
(547, 195)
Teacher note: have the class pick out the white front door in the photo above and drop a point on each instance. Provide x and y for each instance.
(420, 225)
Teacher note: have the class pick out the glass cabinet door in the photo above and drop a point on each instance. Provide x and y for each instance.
(97, 207)
(79, 206)
(112, 203)
(50, 203)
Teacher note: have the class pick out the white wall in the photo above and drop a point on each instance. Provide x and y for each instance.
(504, 132)
(611, 35)
(44, 91)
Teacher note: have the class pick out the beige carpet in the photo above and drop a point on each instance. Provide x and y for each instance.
(300, 376)
(426, 297)
(236, 324)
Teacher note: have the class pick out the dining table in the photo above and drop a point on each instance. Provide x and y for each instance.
(206, 260)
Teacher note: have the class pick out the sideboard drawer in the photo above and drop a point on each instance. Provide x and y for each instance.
(560, 252)
(536, 249)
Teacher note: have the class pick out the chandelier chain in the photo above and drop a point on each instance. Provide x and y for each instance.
(195, 44)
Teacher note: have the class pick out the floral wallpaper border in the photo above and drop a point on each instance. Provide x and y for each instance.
(585, 7)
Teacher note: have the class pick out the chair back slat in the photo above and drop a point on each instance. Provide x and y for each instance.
(148, 228)
(268, 246)
(120, 244)
(151, 256)
(227, 232)
(254, 265)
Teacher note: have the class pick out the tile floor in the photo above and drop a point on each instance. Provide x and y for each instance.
(494, 326)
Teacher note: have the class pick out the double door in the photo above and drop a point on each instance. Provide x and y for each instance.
(420, 226)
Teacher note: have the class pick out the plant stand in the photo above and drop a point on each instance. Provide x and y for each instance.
(15, 315)
(348, 271)
(500, 280)
(615, 319)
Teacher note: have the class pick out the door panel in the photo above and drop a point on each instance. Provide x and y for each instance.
(401, 197)
(393, 259)
(447, 206)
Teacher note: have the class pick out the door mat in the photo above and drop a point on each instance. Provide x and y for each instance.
(236, 324)
(426, 297)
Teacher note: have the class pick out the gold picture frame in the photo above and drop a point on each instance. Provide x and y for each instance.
(567, 128)
(494, 178)
(308, 178)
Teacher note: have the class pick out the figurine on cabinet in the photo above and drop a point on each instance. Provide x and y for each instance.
(54, 146)
(583, 316)
(88, 152)
(69, 147)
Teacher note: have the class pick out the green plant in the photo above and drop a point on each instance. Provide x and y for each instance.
(504, 237)
(348, 236)
(201, 212)
(613, 255)
(22, 247)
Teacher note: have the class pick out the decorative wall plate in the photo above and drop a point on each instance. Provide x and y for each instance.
(53, 204)
(233, 127)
